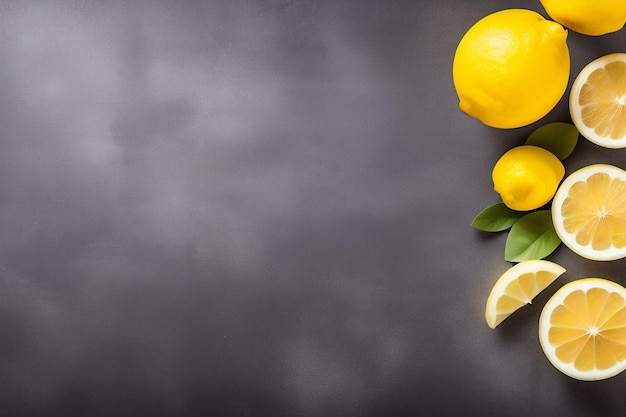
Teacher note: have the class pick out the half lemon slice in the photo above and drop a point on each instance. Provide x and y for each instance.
(517, 286)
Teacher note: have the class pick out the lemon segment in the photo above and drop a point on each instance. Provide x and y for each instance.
(517, 287)
(582, 329)
(589, 212)
(511, 68)
(589, 17)
(598, 101)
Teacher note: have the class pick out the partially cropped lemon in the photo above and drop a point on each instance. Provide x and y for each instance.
(511, 68)
(527, 177)
(597, 104)
(589, 17)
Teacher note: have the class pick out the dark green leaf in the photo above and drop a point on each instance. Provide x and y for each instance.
(531, 237)
(558, 137)
(496, 218)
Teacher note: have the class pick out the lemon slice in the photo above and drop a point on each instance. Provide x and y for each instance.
(589, 212)
(598, 101)
(582, 329)
(518, 286)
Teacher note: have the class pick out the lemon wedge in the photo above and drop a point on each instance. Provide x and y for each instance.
(517, 287)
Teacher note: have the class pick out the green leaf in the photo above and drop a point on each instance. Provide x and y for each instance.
(531, 237)
(558, 137)
(496, 218)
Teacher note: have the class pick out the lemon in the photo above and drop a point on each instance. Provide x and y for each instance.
(517, 286)
(598, 101)
(589, 17)
(582, 329)
(511, 68)
(527, 176)
(589, 212)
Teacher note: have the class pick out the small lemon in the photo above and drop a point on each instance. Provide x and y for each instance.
(589, 17)
(511, 68)
(527, 177)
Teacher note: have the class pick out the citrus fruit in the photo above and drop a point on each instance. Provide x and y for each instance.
(589, 212)
(589, 17)
(527, 176)
(517, 286)
(582, 329)
(598, 101)
(511, 68)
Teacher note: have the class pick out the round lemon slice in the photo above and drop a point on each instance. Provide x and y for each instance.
(582, 329)
(589, 212)
(517, 286)
(598, 101)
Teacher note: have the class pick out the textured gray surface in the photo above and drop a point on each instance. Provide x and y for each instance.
(242, 208)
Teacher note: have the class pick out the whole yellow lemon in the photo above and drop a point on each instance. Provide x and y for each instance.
(511, 68)
(589, 17)
(527, 177)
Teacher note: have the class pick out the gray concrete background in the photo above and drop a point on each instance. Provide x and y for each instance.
(261, 208)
